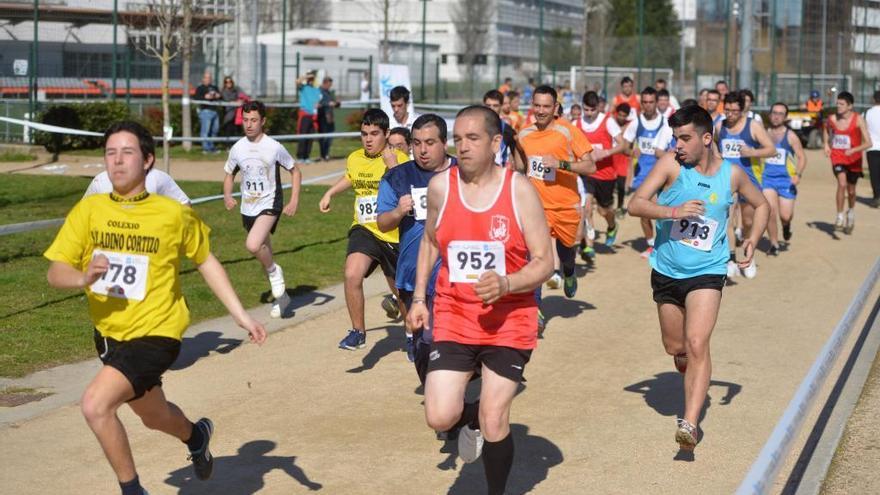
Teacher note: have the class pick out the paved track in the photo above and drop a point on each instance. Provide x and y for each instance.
(596, 415)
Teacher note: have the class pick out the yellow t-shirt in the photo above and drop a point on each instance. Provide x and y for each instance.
(144, 237)
(365, 173)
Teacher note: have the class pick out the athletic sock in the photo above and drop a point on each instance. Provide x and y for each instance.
(650, 242)
(132, 487)
(497, 461)
(470, 416)
(733, 256)
(270, 271)
(196, 439)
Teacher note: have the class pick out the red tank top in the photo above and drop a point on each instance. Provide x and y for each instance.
(471, 242)
(845, 140)
(600, 138)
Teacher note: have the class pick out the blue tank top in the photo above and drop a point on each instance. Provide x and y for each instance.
(645, 139)
(731, 144)
(690, 247)
(781, 166)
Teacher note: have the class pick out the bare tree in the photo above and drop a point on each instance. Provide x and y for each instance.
(386, 10)
(300, 14)
(164, 22)
(186, 37)
(471, 19)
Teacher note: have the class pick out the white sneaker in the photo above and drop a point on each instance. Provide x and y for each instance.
(850, 221)
(738, 233)
(275, 312)
(732, 269)
(470, 444)
(591, 232)
(555, 281)
(838, 222)
(751, 271)
(276, 280)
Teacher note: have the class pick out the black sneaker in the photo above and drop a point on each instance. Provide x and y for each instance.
(786, 232)
(203, 461)
(774, 251)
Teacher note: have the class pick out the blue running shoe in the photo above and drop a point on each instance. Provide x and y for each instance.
(611, 236)
(202, 460)
(354, 340)
(410, 348)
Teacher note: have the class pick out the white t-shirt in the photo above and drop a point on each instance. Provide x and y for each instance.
(611, 125)
(158, 182)
(411, 117)
(755, 116)
(259, 164)
(630, 133)
(365, 90)
(872, 118)
(663, 139)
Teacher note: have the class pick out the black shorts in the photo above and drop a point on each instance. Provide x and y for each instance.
(248, 221)
(668, 290)
(383, 254)
(602, 190)
(142, 360)
(505, 361)
(851, 176)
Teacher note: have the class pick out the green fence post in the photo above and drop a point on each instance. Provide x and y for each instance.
(437, 82)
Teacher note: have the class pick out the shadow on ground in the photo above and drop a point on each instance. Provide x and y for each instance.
(826, 227)
(240, 474)
(393, 341)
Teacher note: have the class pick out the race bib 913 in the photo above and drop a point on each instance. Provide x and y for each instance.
(697, 232)
(126, 278)
(469, 259)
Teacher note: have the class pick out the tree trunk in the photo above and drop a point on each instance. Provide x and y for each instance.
(584, 44)
(166, 110)
(186, 34)
(386, 8)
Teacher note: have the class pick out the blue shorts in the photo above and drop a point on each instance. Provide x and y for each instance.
(782, 185)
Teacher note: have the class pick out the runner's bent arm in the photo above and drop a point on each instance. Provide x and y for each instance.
(866, 137)
(389, 219)
(743, 185)
(295, 186)
(795, 143)
(215, 276)
(341, 185)
(62, 275)
(767, 149)
(826, 145)
(417, 316)
(664, 172)
(228, 184)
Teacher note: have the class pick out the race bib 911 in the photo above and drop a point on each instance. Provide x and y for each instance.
(126, 278)
(366, 209)
(696, 232)
(539, 171)
(420, 202)
(469, 259)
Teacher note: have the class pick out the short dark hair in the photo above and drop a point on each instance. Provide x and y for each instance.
(512, 94)
(398, 93)
(660, 80)
(649, 90)
(688, 102)
(573, 106)
(376, 117)
(877, 96)
(254, 106)
(692, 114)
(493, 94)
(546, 90)
(402, 131)
(748, 92)
(145, 139)
(846, 96)
(714, 92)
(780, 104)
(721, 81)
(735, 97)
(663, 92)
(491, 120)
(591, 99)
(624, 107)
(427, 119)
(625, 79)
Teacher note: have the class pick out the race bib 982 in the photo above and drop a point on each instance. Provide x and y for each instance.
(366, 209)
(469, 259)
(126, 278)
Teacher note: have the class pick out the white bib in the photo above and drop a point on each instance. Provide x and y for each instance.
(697, 232)
(420, 202)
(539, 171)
(126, 278)
(732, 148)
(366, 209)
(841, 142)
(646, 146)
(469, 259)
(778, 158)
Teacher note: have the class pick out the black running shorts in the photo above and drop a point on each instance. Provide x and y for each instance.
(384, 254)
(602, 190)
(142, 360)
(668, 290)
(248, 221)
(505, 361)
(851, 177)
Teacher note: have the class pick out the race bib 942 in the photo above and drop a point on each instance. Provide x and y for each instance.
(126, 278)
(469, 259)
(732, 148)
(697, 232)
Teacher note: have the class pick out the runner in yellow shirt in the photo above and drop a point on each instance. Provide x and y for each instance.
(124, 249)
(368, 247)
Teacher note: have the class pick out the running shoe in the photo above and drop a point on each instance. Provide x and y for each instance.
(732, 269)
(389, 304)
(839, 222)
(647, 253)
(611, 236)
(202, 460)
(570, 286)
(620, 213)
(276, 280)
(774, 251)
(786, 232)
(542, 323)
(470, 444)
(275, 312)
(354, 340)
(738, 234)
(850, 221)
(555, 281)
(686, 435)
(591, 232)
(588, 254)
(681, 362)
(410, 348)
(751, 271)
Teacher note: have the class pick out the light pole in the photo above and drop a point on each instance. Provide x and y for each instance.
(424, 23)
(540, 41)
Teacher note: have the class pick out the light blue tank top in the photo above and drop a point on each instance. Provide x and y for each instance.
(691, 247)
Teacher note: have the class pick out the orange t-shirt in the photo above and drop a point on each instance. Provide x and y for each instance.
(814, 106)
(632, 100)
(563, 141)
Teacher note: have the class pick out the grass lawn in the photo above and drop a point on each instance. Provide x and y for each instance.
(42, 327)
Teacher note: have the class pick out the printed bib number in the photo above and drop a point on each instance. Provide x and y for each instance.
(732, 148)
(420, 202)
(597, 146)
(469, 259)
(778, 158)
(696, 232)
(841, 142)
(126, 278)
(366, 209)
(253, 189)
(539, 171)
(646, 146)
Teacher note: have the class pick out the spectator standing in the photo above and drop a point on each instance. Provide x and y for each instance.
(307, 116)
(872, 117)
(209, 121)
(326, 123)
(231, 114)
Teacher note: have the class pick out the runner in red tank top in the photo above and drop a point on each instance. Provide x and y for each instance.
(846, 137)
(484, 305)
